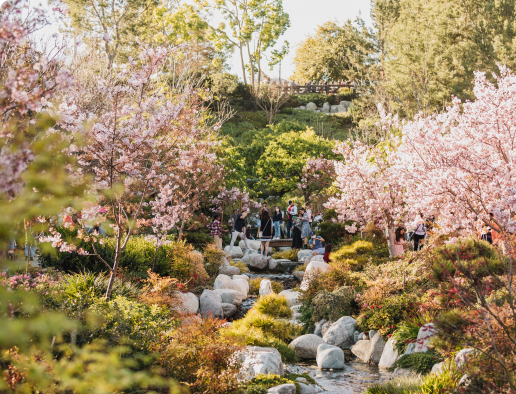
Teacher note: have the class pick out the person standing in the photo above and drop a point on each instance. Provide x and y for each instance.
(262, 210)
(419, 232)
(266, 231)
(305, 225)
(399, 242)
(216, 230)
(291, 213)
(309, 212)
(277, 219)
(239, 230)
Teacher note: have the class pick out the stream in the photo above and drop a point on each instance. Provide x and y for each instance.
(353, 379)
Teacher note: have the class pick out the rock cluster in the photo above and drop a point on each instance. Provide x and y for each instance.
(343, 107)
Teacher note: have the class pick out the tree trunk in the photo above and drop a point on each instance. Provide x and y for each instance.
(243, 63)
(180, 236)
(115, 265)
(390, 240)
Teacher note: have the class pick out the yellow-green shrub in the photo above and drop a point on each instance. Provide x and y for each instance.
(243, 268)
(288, 255)
(351, 251)
(214, 259)
(274, 305)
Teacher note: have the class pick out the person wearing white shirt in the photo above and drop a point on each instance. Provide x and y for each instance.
(291, 212)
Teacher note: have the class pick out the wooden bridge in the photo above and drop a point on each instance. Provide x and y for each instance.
(325, 88)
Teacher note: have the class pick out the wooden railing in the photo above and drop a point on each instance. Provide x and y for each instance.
(305, 89)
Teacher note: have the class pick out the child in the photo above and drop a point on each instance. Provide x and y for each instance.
(327, 251)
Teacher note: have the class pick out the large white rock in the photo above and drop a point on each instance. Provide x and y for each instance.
(190, 302)
(334, 109)
(462, 357)
(341, 333)
(326, 108)
(389, 355)
(318, 257)
(250, 251)
(424, 337)
(292, 297)
(236, 253)
(285, 265)
(303, 254)
(265, 287)
(306, 389)
(256, 261)
(305, 346)
(318, 327)
(375, 349)
(311, 106)
(341, 109)
(230, 296)
(228, 310)
(314, 268)
(211, 304)
(287, 388)
(273, 264)
(225, 282)
(361, 348)
(329, 356)
(437, 368)
(257, 360)
(325, 327)
(346, 104)
(252, 244)
(229, 270)
(410, 348)
(302, 107)
(245, 277)
(243, 287)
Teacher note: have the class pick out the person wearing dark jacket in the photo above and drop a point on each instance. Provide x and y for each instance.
(266, 229)
(277, 219)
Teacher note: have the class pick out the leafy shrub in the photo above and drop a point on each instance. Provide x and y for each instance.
(444, 382)
(340, 275)
(418, 362)
(287, 255)
(405, 334)
(264, 382)
(243, 268)
(161, 291)
(274, 305)
(197, 355)
(400, 385)
(214, 259)
(386, 317)
(254, 285)
(334, 305)
(199, 238)
(131, 322)
(76, 285)
(186, 264)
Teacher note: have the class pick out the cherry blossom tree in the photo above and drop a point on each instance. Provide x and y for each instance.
(233, 199)
(141, 151)
(460, 165)
(318, 175)
(368, 186)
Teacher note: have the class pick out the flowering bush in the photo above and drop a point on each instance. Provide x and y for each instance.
(35, 278)
(386, 317)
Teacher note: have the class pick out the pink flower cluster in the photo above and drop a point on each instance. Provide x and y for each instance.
(35, 281)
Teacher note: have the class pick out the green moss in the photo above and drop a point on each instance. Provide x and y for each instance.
(418, 362)
(287, 255)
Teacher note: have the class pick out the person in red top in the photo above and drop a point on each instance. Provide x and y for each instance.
(327, 251)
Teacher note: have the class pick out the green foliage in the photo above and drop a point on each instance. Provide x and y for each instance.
(274, 305)
(243, 268)
(334, 305)
(254, 285)
(281, 165)
(75, 286)
(287, 255)
(263, 382)
(399, 385)
(444, 382)
(198, 239)
(386, 317)
(418, 362)
(214, 260)
(405, 334)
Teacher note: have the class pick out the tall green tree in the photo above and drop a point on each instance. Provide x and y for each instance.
(335, 52)
(281, 165)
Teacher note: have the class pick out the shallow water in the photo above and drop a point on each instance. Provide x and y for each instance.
(353, 379)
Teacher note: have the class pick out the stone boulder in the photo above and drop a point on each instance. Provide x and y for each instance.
(346, 104)
(424, 337)
(252, 244)
(256, 261)
(389, 355)
(404, 373)
(230, 296)
(305, 346)
(326, 108)
(311, 106)
(243, 287)
(229, 270)
(334, 109)
(330, 357)
(306, 389)
(303, 254)
(361, 349)
(410, 348)
(273, 264)
(341, 333)
(286, 266)
(376, 347)
(462, 357)
(225, 282)
(250, 251)
(287, 388)
(325, 327)
(242, 276)
(315, 267)
(318, 257)
(299, 275)
(236, 253)
(284, 248)
(265, 287)
(229, 310)
(302, 107)
(292, 297)
(190, 302)
(341, 109)
(437, 368)
(257, 360)
(318, 327)
(211, 304)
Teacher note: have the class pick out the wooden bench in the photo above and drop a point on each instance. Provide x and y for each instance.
(278, 243)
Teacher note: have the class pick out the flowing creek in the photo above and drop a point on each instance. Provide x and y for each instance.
(353, 379)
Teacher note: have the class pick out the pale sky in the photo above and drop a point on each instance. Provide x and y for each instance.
(305, 16)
